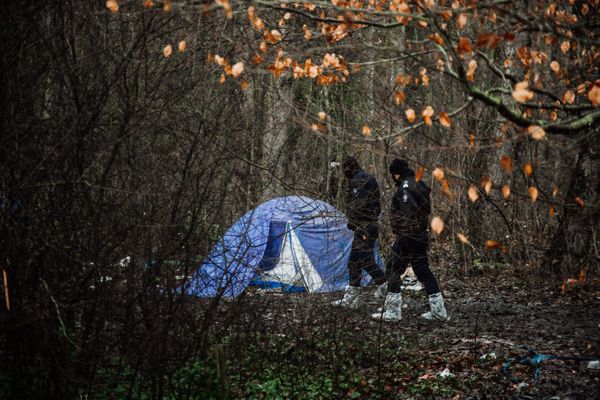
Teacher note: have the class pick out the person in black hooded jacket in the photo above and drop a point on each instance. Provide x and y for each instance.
(362, 209)
(409, 219)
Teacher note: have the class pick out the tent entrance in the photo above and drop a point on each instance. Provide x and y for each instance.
(291, 270)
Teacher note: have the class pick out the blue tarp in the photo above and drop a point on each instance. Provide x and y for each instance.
(253, 243)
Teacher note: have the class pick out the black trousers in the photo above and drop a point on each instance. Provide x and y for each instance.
(413, 251)
(362, 256)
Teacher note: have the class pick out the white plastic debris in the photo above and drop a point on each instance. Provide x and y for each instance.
(488, 357)
(594, 364)
(446, 374)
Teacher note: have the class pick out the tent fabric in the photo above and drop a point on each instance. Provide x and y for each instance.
(309, 234)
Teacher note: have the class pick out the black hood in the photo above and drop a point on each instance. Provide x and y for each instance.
(400, 167)
(350, 167)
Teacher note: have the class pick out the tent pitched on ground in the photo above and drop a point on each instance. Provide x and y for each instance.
(294, 243)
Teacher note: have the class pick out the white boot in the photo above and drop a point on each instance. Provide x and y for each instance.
(438, 311)
(381, 291)
(392, 309)
(350, 299)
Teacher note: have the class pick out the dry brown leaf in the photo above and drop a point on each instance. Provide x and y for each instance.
(506, 163)
(594, 94)
(492, 244)
(505, 192)
(522, 93)
(167, 51)
(528, 169)
(461, 21)
(533, 193)
(419, 174)
(398, 98)
(237, 69)
(410, 115)
(536, 132)
(366, 130)
(112, 5)
(437, 225)
(473, 193)
(579, 202)
(182, 46)
(445, 119)
(555, 66)
(462, 238)
(438, 174)
(322, 115)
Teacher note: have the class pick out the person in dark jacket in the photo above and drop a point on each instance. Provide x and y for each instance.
(362, 209)
(409, 218)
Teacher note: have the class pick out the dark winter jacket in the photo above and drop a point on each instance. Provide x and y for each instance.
(409, 214)
(362, 200)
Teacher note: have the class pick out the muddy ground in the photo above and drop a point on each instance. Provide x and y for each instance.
(493, 320)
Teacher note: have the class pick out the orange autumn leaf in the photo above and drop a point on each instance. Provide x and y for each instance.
(555, 66)
(445, 119)
(461, 21)
(167, 51)
(528, 169)
(182, 46)
(427, 113)
(438, 174)
(317, 127)
(579, 201)
(237, 69)
(471, 70)
(568, 97)
(492, 244)
(419, 174)
(471, 140)
(464, 46)
(552, 211)
(533, 193)
(436, 38)
(222, 79)
(437, 225)
(410, 115)
(473, 193)
(112, 5)
(487, 185)
(488, 41)
(594, 94)
(506, 163)
(244, 85)
(462, 238)
(398, 98)
(148, 3)
(257, 59)
(167, 6)
(553, 115)
(522, 93)
(565, 46)
(536, 132)
(366, 130)
(505, 192)
(322, 115)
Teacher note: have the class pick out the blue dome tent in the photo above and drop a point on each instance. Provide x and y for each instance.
(294, 242)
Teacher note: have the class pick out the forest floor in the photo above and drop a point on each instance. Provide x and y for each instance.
(343, 353)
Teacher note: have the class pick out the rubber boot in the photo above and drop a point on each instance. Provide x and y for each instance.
(381, 291)
(438, 311)
(350, 299)
(393, 308)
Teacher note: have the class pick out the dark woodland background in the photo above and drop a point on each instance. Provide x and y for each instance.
(112, 150)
